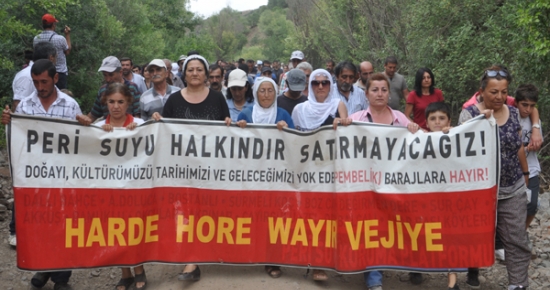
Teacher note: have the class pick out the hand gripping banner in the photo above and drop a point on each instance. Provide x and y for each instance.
(361, 197)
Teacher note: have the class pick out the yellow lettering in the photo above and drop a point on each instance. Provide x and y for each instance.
(150, 227)
(188, 228)
(354, 237)
(431, 236)
(211, 229)
(277, 230)
(334, 233)
(299, 234)
(225, 226)
(96, 234)
(328, 232)
(390, 240)
(370, 233)
(414, 234)
(399, 233)
(315, 230)
(132, 224)
(116, 227)
(241, 229)
(71, 232)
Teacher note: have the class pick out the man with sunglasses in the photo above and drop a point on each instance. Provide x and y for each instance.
(365, 71)
(536, 136)
(352, 96)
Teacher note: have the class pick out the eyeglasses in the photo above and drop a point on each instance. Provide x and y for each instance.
(494, 73)
(317, 83)
(263, 92)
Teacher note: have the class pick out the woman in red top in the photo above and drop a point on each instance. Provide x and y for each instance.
(424, 94)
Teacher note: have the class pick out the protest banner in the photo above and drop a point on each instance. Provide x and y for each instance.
(362, 197)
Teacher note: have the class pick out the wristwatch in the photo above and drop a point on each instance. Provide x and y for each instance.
(536, 126)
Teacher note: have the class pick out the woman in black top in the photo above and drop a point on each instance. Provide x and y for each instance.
(196, 102)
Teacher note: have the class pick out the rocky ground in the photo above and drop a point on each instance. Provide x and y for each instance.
(164, 277)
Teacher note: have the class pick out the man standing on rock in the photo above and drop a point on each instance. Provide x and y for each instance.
(46, 101)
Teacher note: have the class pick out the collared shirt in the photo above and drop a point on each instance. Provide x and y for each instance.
(151, 101)
(60, 44)
(234, 112)
(398, 119)
(177, 82)
(22, 84)
(357, 100)
(397, 86)
(100, 110)
(140, 82)
(64, 107)
(361, 85)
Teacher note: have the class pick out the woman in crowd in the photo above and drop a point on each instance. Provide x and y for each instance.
(320, 109)
(514, 175)
(118, 97)
(196, 102)
(424, 93)
(146, 76)
(378, 94)
(239, 95)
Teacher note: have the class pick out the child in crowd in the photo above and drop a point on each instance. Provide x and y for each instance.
(526, 99)
(438, 119)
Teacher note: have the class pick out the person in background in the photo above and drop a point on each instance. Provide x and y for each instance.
(365, 71)
(307, 69)
(296, 81)
(61, 44)
(353, 97)
(295, 58)
(215, 79)
(181, 59)
(424, 93)
(173, 79)
(277, 70)
(239, 95)
(136, 70)
(397, 82)
(330, 68)
(126, 67)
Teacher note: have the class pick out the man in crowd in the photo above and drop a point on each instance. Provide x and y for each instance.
(173, 79)
(181, 60)
(398, 85)
(267, 72)
(153, 100)
(259, 65)
(296, 81)
(365, 71)
(130, 76)
(352, 96)
(307, 69)
(111, 70)
(215, 78)
(46, 101)
(62, 45)
(22, 83)
(277, 70)
(296, 57)
(330, 69)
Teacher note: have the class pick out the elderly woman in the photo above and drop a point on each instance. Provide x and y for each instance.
(196, 102)
(378, 94)
(118, 98)
(514, 175)
(320, 108)
(239, 95)
(265, 110)
(424, 94)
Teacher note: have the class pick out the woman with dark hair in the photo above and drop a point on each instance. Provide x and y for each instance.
(514, 175)
(196, 102)
(146, 76)
(239, 95)
(118, 98)
(424, 94)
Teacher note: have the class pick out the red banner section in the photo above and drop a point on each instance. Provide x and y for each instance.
(347, 232)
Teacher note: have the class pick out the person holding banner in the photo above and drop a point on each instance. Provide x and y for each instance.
(118, 98)
(379, 112)
(265, 110)
(320, 109)
(196, 102)
(514, 175)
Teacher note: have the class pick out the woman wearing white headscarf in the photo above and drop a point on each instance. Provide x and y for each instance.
(265, 110)
(320, 109)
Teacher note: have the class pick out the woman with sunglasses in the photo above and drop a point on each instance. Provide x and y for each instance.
(424, 94)
(320, 109)
(514, 175)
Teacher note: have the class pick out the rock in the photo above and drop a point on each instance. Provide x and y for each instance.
(95, 273)
(10, 204)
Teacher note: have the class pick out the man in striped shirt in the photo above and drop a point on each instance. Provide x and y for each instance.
(352, 96)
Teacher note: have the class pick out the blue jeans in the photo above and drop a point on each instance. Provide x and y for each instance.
(373, 278)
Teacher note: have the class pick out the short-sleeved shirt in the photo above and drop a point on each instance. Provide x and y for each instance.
(532, 159)
(234, 111)
(510, 142)
(357, 100)
(140, 82)
(398, 119)
(420, 103)
(288, 104)
(100, 110)
(22, 84)
(64, 107)
(151, 101)
(397, 86)
(60, 44)
(214, 107)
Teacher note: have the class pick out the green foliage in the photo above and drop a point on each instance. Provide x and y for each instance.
(228, 30)
(276, 30)
(253, 52)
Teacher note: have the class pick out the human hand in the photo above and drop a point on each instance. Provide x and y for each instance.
(156, 116)
(281, 124)
(241, 123)
(536, 140)
(107, 128)
(413, 127)
(6, 115)
(84, 120)
(131, 126)
(227, 121)
(67, 30)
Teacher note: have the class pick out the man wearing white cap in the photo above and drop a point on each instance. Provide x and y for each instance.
(296, 57)
(181, 59)
(153, 100)
(111, 70)
(239, 93)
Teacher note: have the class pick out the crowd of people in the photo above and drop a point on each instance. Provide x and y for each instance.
(293, 96)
